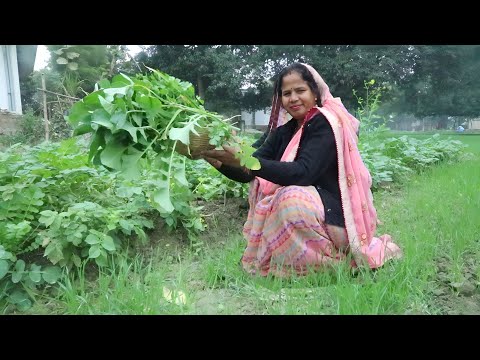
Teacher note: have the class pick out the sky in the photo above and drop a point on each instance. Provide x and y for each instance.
(43, 55)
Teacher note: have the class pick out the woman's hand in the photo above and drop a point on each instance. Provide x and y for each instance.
(218, 157)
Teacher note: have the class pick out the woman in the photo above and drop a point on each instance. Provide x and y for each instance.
(310, 203)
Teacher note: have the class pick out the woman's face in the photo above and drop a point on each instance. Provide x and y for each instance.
(297, 97)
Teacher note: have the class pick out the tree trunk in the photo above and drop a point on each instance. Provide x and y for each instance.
(442, 122)
(254, 126)
(201, 89)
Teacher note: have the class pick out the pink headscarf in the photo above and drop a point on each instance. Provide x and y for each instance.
(354, 178)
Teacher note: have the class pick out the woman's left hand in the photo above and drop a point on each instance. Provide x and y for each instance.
(226, 156)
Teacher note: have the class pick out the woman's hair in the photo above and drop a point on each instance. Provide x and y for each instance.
(306, 76)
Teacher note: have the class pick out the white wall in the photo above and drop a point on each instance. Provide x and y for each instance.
(262, 117)
(474, 124)
(9, 82)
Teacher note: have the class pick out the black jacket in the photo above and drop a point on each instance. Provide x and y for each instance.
(315, 164)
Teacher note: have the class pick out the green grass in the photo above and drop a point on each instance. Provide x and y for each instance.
(434, 215)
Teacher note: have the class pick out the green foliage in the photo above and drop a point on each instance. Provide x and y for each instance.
(130, 116)
(444, 82)
(393, 159)
(207, 183)
(371, 123)
(19, 281)
(30, 131)
(216, 71)
(85, 63)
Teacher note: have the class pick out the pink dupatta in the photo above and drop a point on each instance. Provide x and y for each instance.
(353, 177)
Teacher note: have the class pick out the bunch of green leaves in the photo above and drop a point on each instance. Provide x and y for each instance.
(394, 159)
(129, 116)
(19, 280)
(207, 183)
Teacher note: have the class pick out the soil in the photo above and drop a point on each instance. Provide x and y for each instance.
(456, 297)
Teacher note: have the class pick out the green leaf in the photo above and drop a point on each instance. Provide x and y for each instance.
(182, 134)
(101, 117)
(132, 130)
(112, 154)
(92, 239)
(127, 192)
(162, 198)
(92, 101)
(51, 274)
(79, 113)
(72, 55)
(82, 129)
(4, 266)
(150, 104)
(179, 175)
(54, 252)
(122, 80)
(76, 260)
(20, 299)
(35, 273)
(110, 92)
(108, 244)
(137, 118)
(101, 260)
(4, 254)
(72, 66)
(47, 217)
(109, 107)
(98, 140)
(17, 276)
(126, 225)
(130, 164)
(62, 61)
(94, 252)
(104, 83)
(252, 163)
(20, 265)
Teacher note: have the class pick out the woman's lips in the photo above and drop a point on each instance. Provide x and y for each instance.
(295, 107)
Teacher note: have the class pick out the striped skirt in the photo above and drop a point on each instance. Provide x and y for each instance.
(286, 232)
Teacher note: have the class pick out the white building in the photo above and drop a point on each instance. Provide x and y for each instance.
(16, 63)
(257, 120)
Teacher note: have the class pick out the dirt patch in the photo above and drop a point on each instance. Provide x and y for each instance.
(223, 218)
(456, 297)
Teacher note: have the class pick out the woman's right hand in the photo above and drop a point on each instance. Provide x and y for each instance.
(214, 162)
(219, 157)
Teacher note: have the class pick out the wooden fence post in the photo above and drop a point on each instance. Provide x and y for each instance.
(45, 111)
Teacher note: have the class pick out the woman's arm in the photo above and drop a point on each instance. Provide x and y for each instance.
(316, 155)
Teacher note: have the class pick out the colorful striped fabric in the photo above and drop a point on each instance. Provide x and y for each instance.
(286, 232)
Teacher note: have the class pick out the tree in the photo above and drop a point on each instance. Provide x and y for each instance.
(444, 83)
(343, 67)
(218, 72)
(81, 66)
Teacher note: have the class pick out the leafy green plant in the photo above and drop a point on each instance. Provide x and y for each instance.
(30, 131)
(130, 116)
(19, 280)
(367, 112)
